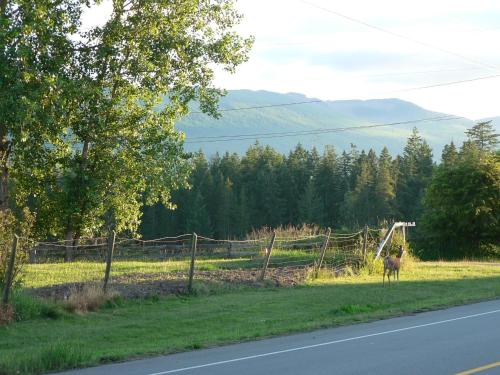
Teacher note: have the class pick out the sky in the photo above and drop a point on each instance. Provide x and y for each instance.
(305, 46)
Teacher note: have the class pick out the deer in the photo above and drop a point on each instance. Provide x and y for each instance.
(392, 265)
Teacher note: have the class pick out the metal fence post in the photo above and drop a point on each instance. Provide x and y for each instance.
(389, 242)
(323, 251)
(385, 239)
(191, 267)
(109, 259)
(268, 256)
(9, 277)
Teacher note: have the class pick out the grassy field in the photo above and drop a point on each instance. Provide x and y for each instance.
(135, 328)
(47, 274)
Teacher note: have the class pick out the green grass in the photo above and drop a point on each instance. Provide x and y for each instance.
(46, 274)
(164, 325)
(27, 308)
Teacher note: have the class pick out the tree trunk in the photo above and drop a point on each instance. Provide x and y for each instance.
(4, 168)
(85, 154)
(4, 188)
(69, 245)
(5, 146)
(3, 7)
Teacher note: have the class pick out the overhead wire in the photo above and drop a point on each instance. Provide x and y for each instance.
(449, 83)
(263, 106)
(241, 137)
(402, 36)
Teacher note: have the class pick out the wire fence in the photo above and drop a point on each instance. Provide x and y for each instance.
(174, 265)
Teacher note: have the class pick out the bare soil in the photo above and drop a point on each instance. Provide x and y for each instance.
(140, 285)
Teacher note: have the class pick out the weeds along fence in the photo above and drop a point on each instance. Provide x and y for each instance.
(174, 265)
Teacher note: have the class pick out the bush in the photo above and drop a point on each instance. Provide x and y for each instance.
(372, 266)
(88, 298)
(288, 231)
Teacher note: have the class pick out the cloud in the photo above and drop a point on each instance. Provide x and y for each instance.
(300, 48)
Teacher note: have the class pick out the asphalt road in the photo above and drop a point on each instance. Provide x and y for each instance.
(439, 342)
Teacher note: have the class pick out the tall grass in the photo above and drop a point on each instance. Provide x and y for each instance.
(28, 307)
(288, 231)
(58, 356)
(90, 297)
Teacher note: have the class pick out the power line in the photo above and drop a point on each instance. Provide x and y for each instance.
(447, 83)
(242, 137)
(444, 70)
(326, 101)
(308, 131)
(401, 36)
(472, 61)
(264, 106)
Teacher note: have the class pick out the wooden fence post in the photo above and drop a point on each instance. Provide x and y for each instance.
(323, 251)
(109, 259)
(193, 256)
(9, 277)
(268, 256)
(68, 255)
(365, 242)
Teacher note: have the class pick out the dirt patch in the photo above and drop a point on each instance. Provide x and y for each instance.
(140, 285)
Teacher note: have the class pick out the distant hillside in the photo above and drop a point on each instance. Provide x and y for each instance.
(316, 116)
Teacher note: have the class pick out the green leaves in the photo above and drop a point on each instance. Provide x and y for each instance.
(84, 137)
(462, 205)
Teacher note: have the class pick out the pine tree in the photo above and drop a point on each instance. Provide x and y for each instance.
(360, 202)
(328, 188)
(449, 155)
(197, 218)
(260, 174)
(241, 215)
(384, 187)
(225, 204)
(414, 175)
(483, 136)
(309, 205)
(294, 176)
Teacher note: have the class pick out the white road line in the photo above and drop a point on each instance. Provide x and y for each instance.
(322, 344)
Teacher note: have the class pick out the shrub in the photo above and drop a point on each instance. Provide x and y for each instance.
(87, 298)
(289, 231)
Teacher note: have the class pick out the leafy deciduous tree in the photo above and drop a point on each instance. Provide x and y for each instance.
(131, 79)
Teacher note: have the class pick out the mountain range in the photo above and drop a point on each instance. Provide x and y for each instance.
(314, 124)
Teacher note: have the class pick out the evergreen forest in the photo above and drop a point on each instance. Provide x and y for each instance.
(455, 202)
